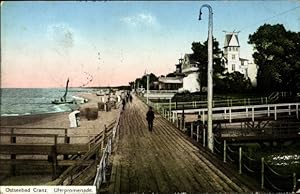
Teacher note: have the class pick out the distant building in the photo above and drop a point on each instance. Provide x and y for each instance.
(231, 58)
(174, 81)
(232, 61)
(191, 75)
(169, 83)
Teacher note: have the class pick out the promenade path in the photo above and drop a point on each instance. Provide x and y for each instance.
(163, 160)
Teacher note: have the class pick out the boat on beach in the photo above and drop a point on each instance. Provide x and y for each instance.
(63, 99)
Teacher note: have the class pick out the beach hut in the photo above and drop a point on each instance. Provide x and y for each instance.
(74, 118)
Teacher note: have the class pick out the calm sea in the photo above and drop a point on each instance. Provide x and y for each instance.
(17, 101)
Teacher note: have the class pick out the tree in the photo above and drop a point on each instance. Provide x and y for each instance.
(131, 85)
(200, 55)
(277, 54)
(233, 82)
(142, 82)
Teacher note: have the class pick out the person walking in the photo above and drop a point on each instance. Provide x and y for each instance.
(123, 104)
(150, 118)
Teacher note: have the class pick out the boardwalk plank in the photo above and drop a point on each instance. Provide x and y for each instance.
(162, 160)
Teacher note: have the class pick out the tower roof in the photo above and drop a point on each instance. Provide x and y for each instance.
(231, 39)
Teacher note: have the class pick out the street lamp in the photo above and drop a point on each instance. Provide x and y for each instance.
(148, 88)
(210, 138)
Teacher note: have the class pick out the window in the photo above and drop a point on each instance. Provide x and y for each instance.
(233, 67)
(233, 57)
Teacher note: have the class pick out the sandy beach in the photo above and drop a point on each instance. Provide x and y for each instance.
(81, 134)
(61, 120)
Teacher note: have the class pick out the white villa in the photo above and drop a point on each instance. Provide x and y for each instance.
(232, 61)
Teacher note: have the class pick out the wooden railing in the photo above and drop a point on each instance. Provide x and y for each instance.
(236, 112)
(216, 103)
(16, 140)
(101, 167)
(161, 91)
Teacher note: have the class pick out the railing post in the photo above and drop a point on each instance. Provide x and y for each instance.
(104, 137)
(203, 134)
(54, 158)
(13, 140)
(240, 160)
(297, 111)
(262, 172)
(67, 141)
(224, 153)
(294, 182)
(229, 115)
(268, 111)
(266, 100)
(198, 133)
(275, 112)
(104, 169)
(252, 113)
(180, 124)
(192, 130)
(289, 110)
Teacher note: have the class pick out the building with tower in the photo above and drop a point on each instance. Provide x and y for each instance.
(231, 59)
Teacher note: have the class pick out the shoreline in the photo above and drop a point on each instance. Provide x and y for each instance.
(26, 119)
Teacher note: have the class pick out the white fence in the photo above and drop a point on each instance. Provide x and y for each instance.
(240, 112)
(102, 166)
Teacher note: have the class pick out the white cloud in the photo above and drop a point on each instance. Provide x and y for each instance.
(140, 19)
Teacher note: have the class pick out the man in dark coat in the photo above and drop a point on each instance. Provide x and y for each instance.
(150, 118)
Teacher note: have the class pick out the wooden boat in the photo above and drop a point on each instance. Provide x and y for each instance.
(63, 100)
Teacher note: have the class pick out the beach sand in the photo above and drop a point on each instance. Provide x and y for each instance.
(87, 128)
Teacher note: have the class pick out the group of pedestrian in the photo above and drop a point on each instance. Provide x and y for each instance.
(149, 115)
(126, 98)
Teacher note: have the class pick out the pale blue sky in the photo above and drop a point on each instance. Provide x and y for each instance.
(50, 41)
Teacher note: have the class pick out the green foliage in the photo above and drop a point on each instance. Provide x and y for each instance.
(223, 83)
(277, 53)
(200, 55)
(233, 82)
(142, 82)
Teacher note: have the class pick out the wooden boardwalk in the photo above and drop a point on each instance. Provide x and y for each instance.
(162, 160)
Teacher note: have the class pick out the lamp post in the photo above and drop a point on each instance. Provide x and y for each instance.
(210, 138)
(148, 88)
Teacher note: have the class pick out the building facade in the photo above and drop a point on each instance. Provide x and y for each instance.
(232, 61)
